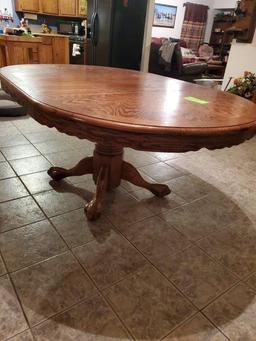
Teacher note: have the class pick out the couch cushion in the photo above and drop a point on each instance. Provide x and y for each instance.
(4, 95)
(193, 69)
(158, 41)
(11, 108)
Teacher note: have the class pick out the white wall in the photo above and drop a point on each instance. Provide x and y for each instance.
(147, 36)
(176, 31)
(223, 4)
(6, 4)
(242, 58)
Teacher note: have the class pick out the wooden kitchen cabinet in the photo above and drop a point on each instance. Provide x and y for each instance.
(81, 8)
(50, 6)
(64, 8)
(43, 49)
(67, 8)
(28, 6)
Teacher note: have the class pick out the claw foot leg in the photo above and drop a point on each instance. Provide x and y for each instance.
(85, 166)
(92, 209)
(131, 174)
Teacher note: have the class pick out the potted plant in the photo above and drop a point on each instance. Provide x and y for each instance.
(245, 86)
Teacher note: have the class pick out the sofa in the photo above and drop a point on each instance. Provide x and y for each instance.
(186, 70)
(8, 107)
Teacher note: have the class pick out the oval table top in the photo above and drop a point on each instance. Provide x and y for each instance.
(93, 100)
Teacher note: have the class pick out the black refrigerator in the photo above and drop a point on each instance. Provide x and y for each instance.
(115, 32)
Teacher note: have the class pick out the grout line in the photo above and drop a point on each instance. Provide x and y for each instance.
(18, 299)
(180, 325)
(19, 334)
(101, 292)
(162, 274)
(215, 325)
(116, 229)
(68, 249)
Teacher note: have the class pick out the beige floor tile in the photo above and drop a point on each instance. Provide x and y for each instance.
(30, 244)
(110, 260)
(129, 187)
(244, 226)
(42, 136)
(235, 251)
(12, 189)
(68, 158)
(83, 145)
(8, 131)
(38, 182)
(138, 158)
(19, 152)
(29, 125)
(2, 267)
(234, 313)
(122, 209)
(161, 172)
(12, 140)
(155, 238)
(222, 222)
(166, 156)
(51, 286)
(251, 281)
(204, 216)
(84, 182)
(245, 197)
(77, 230)
(155, 204)
(190, 187)
(196, 275)
(25, 336)
(52, 146)
(54, 203)
(30, 165)
(12, 320)
(196, 329)
(90, 321)
(6, 171)
(193, 167)
(148, 304)
(19, 212)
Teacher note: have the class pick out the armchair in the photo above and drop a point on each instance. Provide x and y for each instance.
(184, 71)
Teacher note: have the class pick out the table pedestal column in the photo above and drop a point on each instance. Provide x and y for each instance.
(108, 169)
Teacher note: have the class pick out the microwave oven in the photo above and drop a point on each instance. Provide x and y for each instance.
(70, 28)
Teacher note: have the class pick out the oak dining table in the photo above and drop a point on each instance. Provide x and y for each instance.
(118, 108)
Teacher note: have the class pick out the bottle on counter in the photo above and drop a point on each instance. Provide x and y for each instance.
(76, 31)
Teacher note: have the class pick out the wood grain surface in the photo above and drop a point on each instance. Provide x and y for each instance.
(139, 110)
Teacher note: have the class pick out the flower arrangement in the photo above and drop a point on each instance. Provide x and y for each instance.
(245, 86)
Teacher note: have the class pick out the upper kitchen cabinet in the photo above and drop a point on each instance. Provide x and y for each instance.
(50, 7)
(67, 8)
(82, 8)
(28, 6)
(64, 8)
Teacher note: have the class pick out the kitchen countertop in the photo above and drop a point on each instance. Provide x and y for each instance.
(37, 35)
(51, 35)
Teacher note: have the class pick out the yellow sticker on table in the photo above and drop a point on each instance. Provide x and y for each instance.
(196, 100)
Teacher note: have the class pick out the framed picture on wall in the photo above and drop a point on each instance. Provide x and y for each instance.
(164, 15)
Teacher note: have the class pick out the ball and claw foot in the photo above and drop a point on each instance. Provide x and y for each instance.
(92, 211)
(160, 190)
(57, 173)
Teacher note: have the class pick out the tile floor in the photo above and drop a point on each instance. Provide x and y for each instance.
(182, 268)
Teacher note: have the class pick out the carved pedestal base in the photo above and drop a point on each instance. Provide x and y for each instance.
(108, 169)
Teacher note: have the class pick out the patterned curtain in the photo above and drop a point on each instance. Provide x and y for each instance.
(194, 25)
